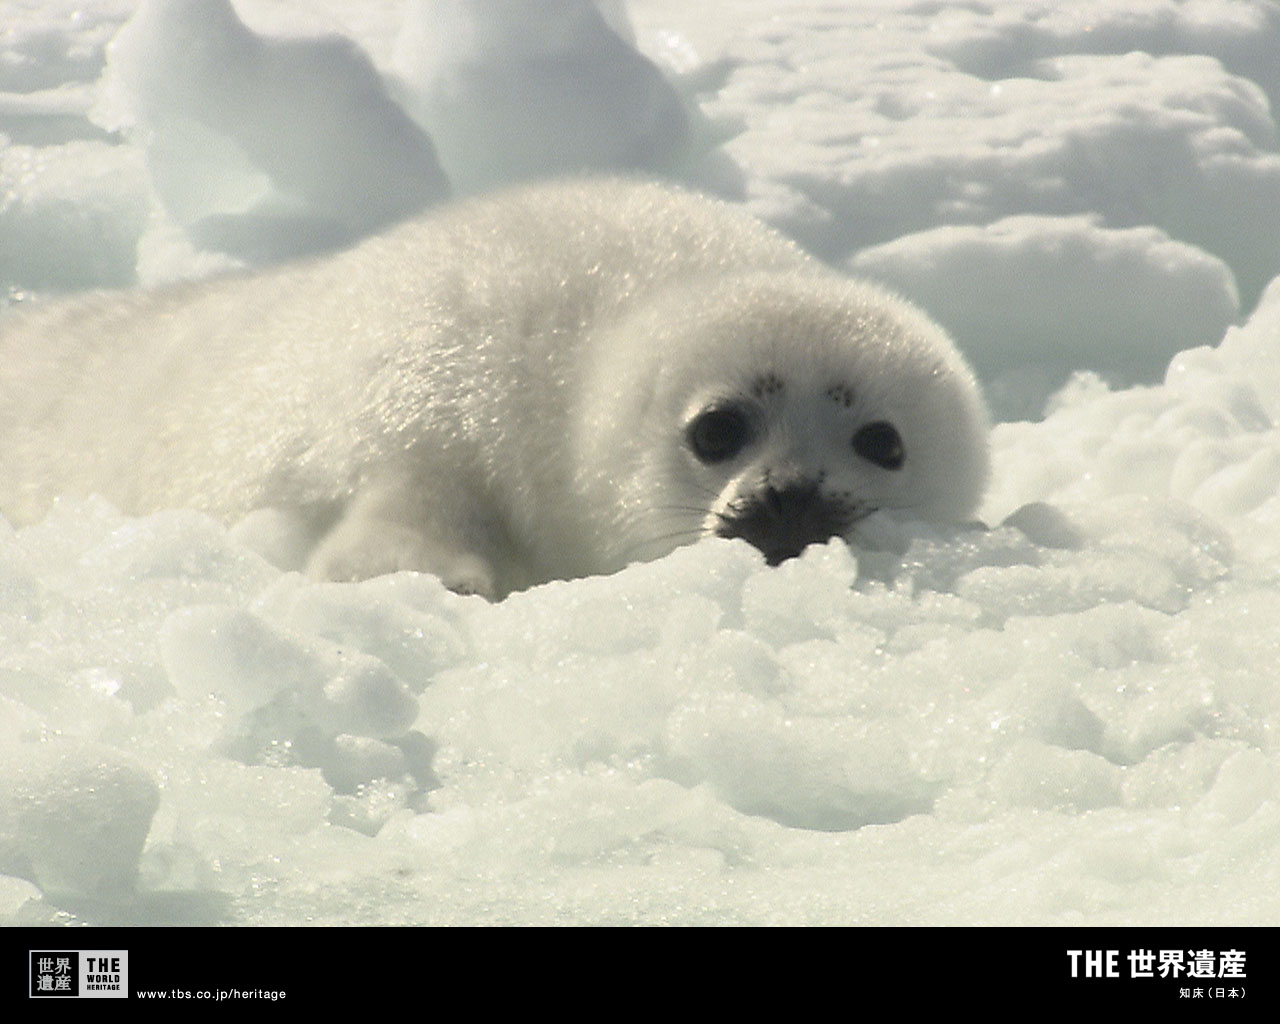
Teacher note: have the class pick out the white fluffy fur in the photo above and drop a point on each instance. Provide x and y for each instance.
(497, 393)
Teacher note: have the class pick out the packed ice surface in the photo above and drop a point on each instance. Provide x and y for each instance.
(1067, 715)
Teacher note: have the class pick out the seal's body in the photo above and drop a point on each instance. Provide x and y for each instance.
(541, 384)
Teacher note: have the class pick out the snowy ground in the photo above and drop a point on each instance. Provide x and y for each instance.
(1069, 718)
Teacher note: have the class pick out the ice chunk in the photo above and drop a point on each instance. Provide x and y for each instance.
(245, 661)
(74, 816)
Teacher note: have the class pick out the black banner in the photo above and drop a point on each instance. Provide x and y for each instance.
(1231, 971)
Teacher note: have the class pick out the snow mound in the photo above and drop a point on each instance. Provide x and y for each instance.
(1121, 302)
(518, 89)
(263, 147)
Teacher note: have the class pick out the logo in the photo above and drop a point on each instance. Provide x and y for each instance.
(80, 974)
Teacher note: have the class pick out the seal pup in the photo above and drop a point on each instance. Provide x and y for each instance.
(546, 383)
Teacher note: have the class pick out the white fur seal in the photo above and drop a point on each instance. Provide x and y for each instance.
(547, 383)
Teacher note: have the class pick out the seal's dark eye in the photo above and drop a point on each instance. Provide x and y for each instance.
(880, 442)
(718, 433)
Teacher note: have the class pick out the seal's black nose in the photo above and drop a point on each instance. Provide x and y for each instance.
(784, 520)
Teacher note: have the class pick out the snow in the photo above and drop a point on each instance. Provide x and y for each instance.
(1066, 714)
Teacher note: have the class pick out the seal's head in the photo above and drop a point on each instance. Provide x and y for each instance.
(782, 409)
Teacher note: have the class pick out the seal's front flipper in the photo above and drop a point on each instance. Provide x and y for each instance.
(389, 529)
